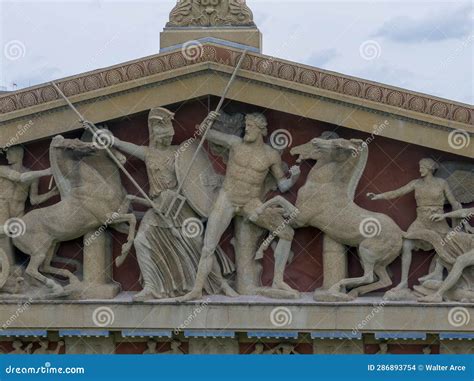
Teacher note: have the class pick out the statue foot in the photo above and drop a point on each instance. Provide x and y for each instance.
(193, 295)
(277, 293)
(331, 296)
(229, 291)
(433, 298)
(401, 286)
(432, 284)
(431, 276)
(285, 287)
(146, 295)
(404, 294)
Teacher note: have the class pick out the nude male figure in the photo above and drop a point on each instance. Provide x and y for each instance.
(250, 161)
(17, 184)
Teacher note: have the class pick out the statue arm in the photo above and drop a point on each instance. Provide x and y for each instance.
(450, 197)
(408, 188)
(25, 177)
(284, 183)
(461, 213)
(10, 174)
(130, 148)
(37, 199)
(222, 139)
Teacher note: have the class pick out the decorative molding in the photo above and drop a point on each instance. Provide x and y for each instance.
(256, 63)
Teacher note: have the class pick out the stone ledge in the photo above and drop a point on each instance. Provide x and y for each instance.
(242, 314)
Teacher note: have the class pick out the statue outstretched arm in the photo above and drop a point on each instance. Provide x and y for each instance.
(408, 188)
(132, 149)
(10, 174)
(222, 139)
(461, 213)
(35, 198)
(25, 177)
(217, 137)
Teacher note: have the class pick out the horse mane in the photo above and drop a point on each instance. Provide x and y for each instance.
(358, 171)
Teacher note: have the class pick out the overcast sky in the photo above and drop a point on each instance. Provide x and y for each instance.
(425, 46)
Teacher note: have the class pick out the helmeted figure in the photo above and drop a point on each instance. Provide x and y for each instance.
(168, 249)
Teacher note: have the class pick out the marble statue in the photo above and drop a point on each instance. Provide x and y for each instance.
(43, 349)
(18, 350)
(168, 249)
(174, 350)
(431, 194)
(280, 349)
(210, 13)
(88, 200)
(456, 254)
(17, 185)
(325, 201)
(250, 161)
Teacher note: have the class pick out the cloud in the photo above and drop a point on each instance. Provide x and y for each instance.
(435, 27)
(322, 57)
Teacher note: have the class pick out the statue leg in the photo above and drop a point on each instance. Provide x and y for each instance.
(453, 277)
(367, 259)
(383, 281)
(153, 287)
(32, 270)
(408, 246)
(48, 269)
(219, 220)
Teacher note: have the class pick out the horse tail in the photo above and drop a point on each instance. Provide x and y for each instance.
(5, 263)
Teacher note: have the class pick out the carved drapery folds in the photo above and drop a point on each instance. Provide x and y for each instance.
(201, 13)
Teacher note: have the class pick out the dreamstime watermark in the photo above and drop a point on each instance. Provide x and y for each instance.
(187, 322)
(280, 228)
(370, 50)
(281, 317)
(22, 308)
(101, 229)
(364, 322)
(192, 50)
(459, 139)
(192, 227)
(378, 129)
(21, 130)
(14, 227)
(281, 139)
(103, 316)
(14, 50)
(370, 227)
(103, 139)
(186, 144)
(459, 317)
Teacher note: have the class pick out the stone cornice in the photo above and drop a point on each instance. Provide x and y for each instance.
(334, 85)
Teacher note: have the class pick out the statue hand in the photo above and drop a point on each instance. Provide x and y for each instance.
(295, 171)
(373, 196)
(437, 217)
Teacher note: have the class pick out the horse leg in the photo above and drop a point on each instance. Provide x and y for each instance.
(48, 269)
(367, 259)
(289, 208)
(383, 281)
(132, 223)
(32, 270)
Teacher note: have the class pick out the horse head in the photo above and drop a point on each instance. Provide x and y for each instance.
(333, 150)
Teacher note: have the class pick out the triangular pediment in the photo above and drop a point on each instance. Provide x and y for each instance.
(179, 75)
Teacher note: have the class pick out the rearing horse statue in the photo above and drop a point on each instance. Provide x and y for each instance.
(326, 202)
(91, 196)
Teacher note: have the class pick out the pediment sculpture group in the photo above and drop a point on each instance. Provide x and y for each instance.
(190, 208)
